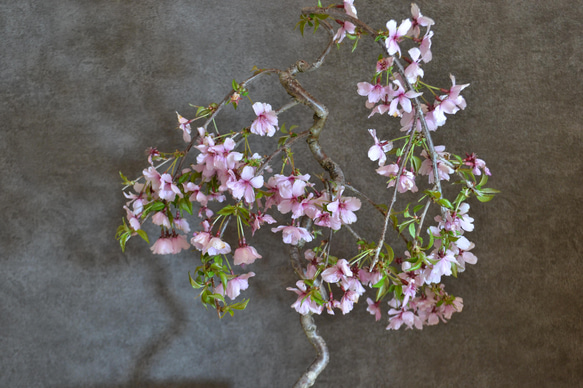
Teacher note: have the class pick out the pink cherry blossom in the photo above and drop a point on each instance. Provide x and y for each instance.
(184, 124)
(344, 208)
(160, 218)
(304, 304)
(153, 177)
(414, 70)
(345, 28)
(169, 245)
(260, 219)
(337, 272)
(244, 187)
(395, 35)
(400, 97)
(235, 286)
(374, 308)
(477, 165)
(384, 64)
(406, 180)
(216, 246)
(442, 266)
(266, 121)
(378, 150)
(419, 20)
(347, 301)
(425, 47)
(326, 219)
(245, 254)
(443, 170)
(374, 93)
(168, 190)
(132, 219)
(349, 8)
(293, 234)
(200, 240)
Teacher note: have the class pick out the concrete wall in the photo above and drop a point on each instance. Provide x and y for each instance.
(86, 86)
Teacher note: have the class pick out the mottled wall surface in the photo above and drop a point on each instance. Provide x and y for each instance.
(86, 86)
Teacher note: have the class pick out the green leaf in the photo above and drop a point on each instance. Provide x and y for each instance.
(227, 210)
(485, 198)
(416, 161)
(185, 205)
(193, 283)
(390, 253)
(223, 280)
(412, 229)
(143, 235)
(240, 305)
(445, 203)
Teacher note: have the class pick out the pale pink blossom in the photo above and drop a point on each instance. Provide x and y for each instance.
(326, 219)
(425, 47)
(200, 240)
(349, 8)
(378, 150)
(384, 64)
(442, 266)
(169, 245)
(181, 224)
(216, 246)
(293, 234)
(160, 218)
(245, 254)
(235, 286)
(463, 255)
(168, 190)
(443, 169)
(266, 121)
(400, 97)
(374, 93)
(304, 304)
(337, 272)
(345, 28)
(414, 70)
(246, 185)
(260, 219)
(374, 308)
(453, 102)
(197, 195)
(347, 301)
(153, 177)
(395, 35)
(406, 180)
(369, 278)
(344, 208)
(419, 20)
(477, 165)
(184, 125)
(133, 220)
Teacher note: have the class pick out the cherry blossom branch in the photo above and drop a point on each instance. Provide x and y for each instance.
(299, 136)
(364, 196)
(323, 355)
(218, 108)
(392, 204)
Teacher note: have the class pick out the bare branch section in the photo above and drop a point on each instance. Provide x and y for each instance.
(301, 95)
(309, 378)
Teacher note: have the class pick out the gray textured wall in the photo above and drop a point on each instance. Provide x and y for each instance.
(86, 86)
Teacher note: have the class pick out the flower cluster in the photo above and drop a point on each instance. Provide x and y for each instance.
(229, 185)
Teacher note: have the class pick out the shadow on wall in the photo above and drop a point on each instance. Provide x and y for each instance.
(170, 384)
